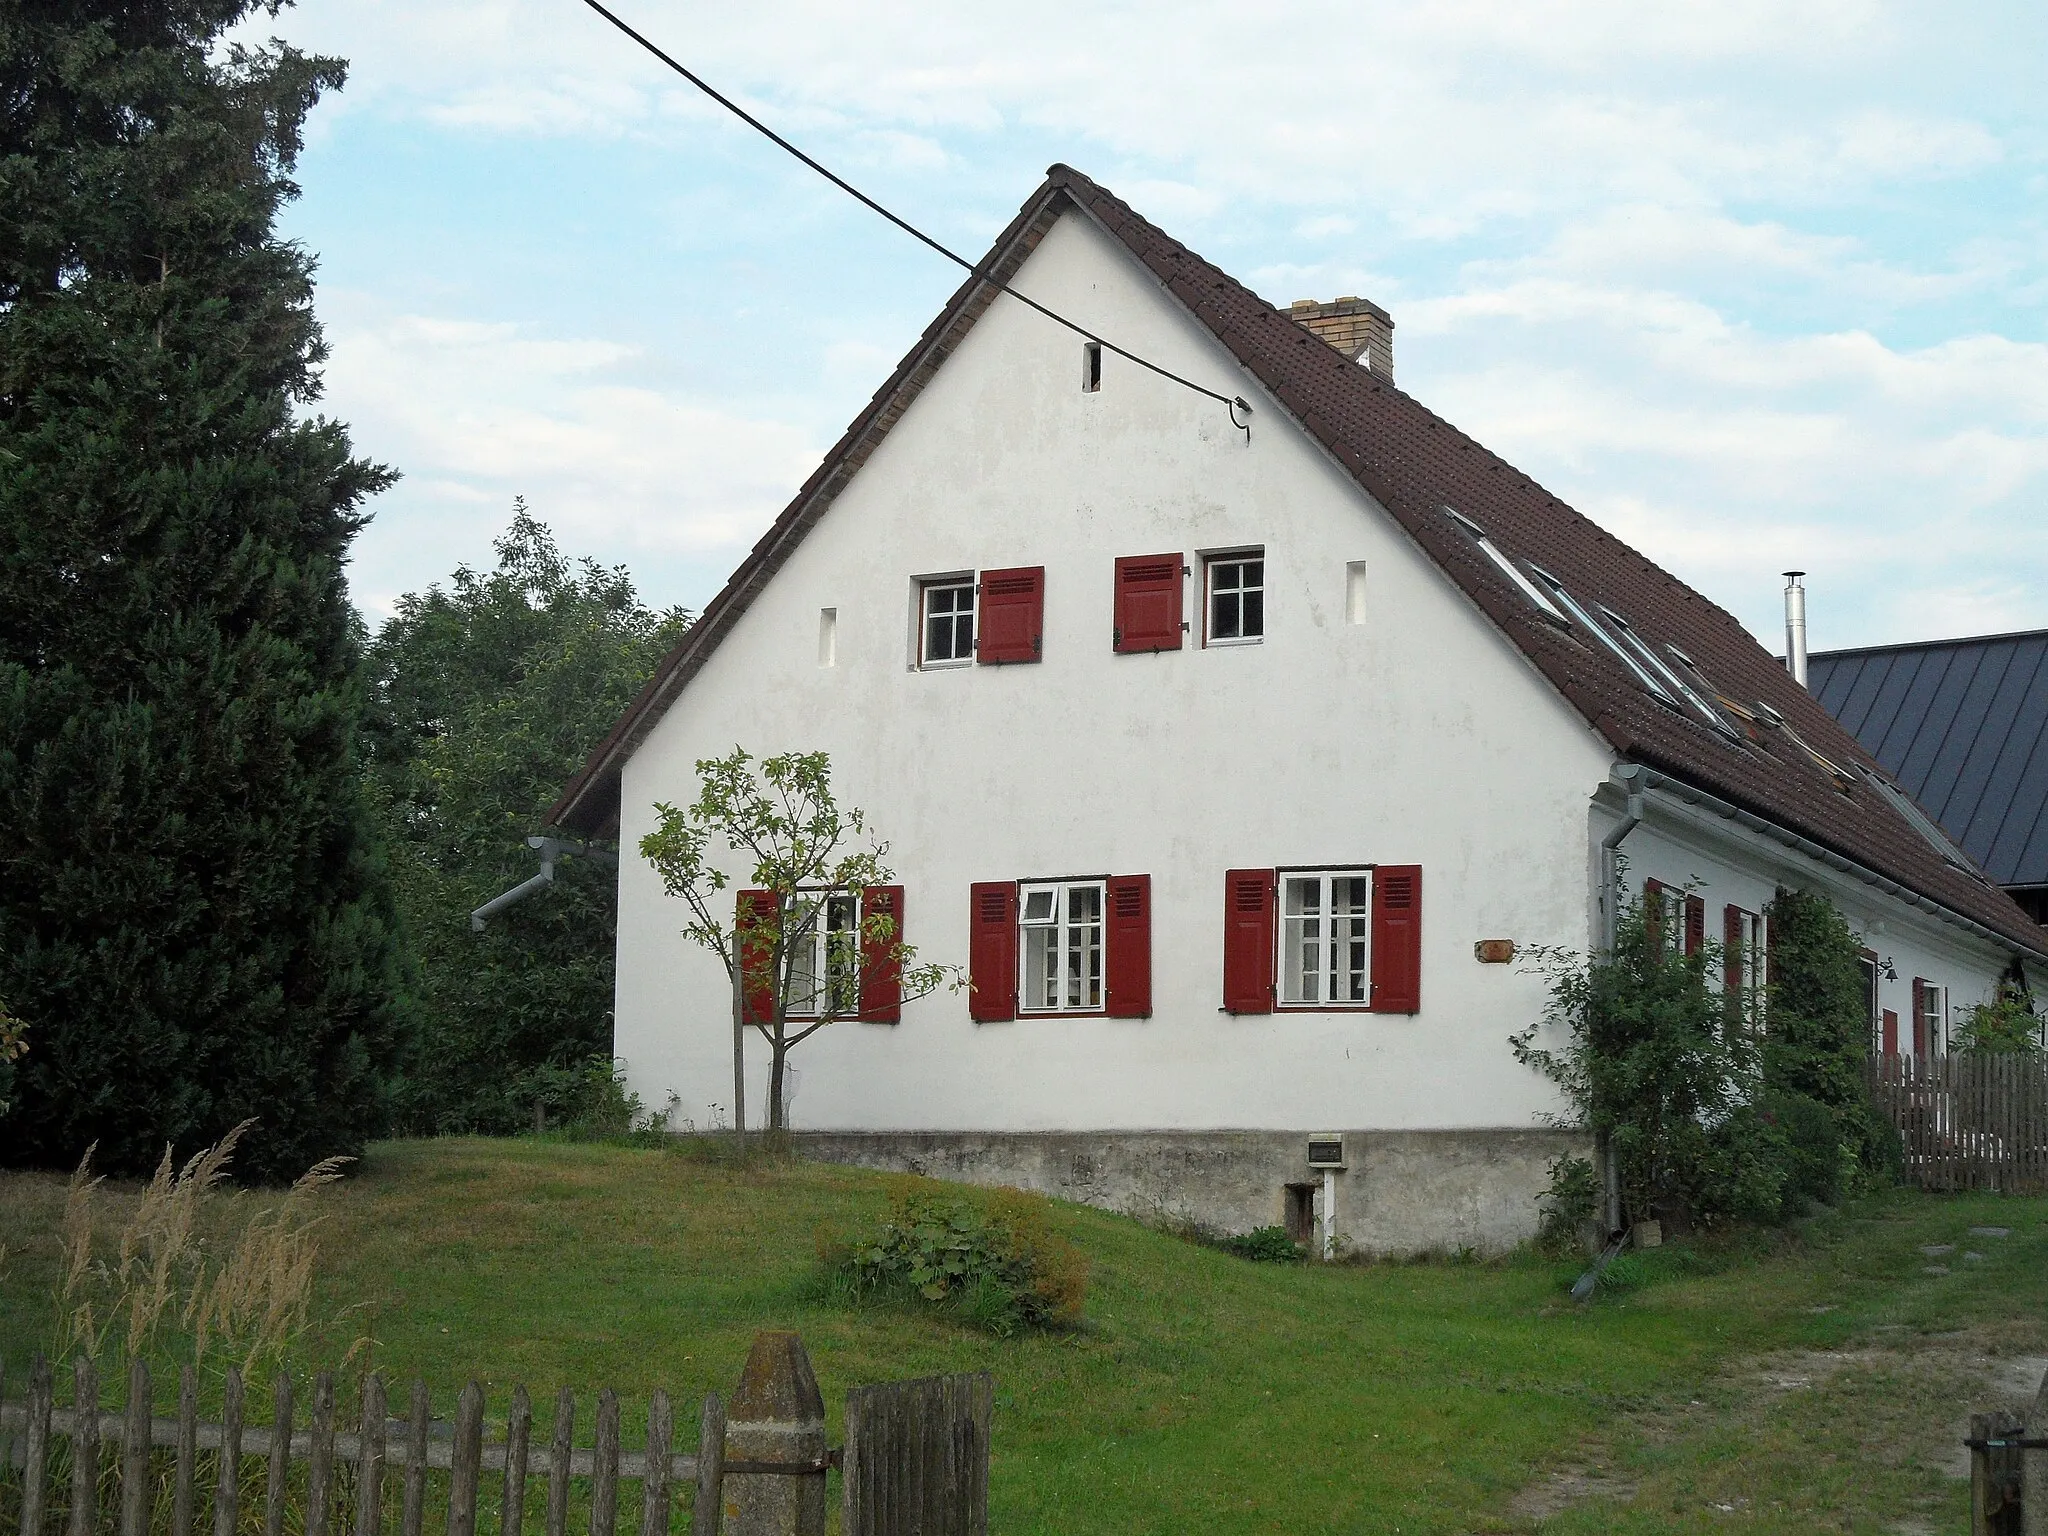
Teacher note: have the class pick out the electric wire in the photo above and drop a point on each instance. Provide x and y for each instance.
(977, 269)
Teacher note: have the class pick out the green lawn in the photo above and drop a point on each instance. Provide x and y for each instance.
(1812, 1382)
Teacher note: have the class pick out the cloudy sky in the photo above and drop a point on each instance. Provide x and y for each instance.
(1755, 284)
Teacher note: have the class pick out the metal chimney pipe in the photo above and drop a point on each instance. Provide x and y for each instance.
(1795, 627)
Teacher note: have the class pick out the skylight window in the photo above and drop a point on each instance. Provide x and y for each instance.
(1921, 822)
(1507, 567)
(1586, 622)
(1685, 690)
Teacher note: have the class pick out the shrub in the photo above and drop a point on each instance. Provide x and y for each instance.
(1814, 1156)
(1264, 1245)
(2007, 1025)
(992, 1261)
(1573, 1197)
(13, 1046)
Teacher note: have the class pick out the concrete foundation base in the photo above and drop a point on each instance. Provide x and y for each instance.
(1401, 1193)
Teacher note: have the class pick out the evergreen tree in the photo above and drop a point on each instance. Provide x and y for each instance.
(487, 697)
(194, 920)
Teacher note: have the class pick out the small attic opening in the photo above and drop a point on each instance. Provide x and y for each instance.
(1091, 367)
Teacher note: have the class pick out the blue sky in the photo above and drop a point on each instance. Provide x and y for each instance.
(1754, 285)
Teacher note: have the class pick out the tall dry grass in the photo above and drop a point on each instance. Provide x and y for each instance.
(204, 1274)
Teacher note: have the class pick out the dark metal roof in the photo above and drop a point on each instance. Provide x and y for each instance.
(1963, 726)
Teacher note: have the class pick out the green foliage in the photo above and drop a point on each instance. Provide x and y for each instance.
(13, 1046)
(1573, 1197)
(1264, 1245)
(993, 1262)
(1817, 1035)
(2007, 1025)
(487, 695)
(779, 816)
(193, 908)
(1647, 1061)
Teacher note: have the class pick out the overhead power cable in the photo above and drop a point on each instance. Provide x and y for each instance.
(978, 270)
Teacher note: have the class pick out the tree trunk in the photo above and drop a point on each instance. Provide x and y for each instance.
(777, 1116)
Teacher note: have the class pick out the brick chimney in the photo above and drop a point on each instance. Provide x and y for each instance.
(1357, 327)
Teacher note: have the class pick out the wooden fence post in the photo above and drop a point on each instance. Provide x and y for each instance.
(280, 1457)
(2034, 1468)
(707, 1514)
(36, 1446)
(370, 1459)
(466, 1461)
(604, 1466)
(518, 1444)
(416, 1459)
(320, 1460)
(135, 1484)
(777, 1415)
(227, 1486)
(559, 1463)
(654, 1481)
(85, 1447)
(1993, 1475)
(187, 1453)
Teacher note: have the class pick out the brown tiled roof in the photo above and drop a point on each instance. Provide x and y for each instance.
(1415, 465)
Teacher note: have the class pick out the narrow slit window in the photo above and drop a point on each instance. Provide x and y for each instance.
(1354, 592)
(828, 637)
(1091, 367)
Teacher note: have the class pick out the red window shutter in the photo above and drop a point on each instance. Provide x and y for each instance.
(1397, 938)
(992, 951)
(1127, 937)
(757, 912)
(1148, 599)
(1919, 1016)
(1731, 949)
(1248, 941)
(1653, 913)
(881, 974)
(1695, 924)
(1891, 1032)
(1012, 620)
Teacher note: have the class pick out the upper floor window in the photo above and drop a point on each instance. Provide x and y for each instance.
(946, 622)
(1236, 597)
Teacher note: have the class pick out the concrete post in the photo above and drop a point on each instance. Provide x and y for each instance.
(777, 1415)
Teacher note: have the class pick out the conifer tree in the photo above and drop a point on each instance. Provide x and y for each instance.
(194, 921)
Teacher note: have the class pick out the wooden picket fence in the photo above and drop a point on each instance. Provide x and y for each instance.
(1968, 1121)
(916, 1462)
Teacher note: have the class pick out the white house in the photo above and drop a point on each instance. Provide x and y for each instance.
(1227, 760)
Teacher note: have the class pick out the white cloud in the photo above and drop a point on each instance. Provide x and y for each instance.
(478, 412)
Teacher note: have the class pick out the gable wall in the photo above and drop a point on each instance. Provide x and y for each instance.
(1419, 736)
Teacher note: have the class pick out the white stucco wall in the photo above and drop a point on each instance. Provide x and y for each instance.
(1727, 864)
(1418, 736)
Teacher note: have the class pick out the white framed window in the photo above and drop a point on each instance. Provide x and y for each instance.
(1325, 938)
(1236, 601)
(945, 622)
(824, 964)
(1747, 971)
(1934, 1017)
(1062, 949)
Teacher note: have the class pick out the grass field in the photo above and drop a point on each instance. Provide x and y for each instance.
(1808, 1381)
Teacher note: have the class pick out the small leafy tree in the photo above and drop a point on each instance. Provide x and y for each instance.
(802, 850)
(13, 1046)
(2005, 1026)
(1649, 1060)
(1817, 1042)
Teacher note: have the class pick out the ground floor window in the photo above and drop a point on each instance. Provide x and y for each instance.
(1326, 938)
(1930, 1018)
(1745, 943)
(1062, 949)
(824, 964)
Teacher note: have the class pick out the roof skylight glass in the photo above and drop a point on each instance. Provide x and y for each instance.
(1586, 621)
(1657, 663)
(1921, 822)
(1507, 567)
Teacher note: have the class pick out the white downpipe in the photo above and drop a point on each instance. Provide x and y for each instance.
(1329, 1214)
(1795, 627)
